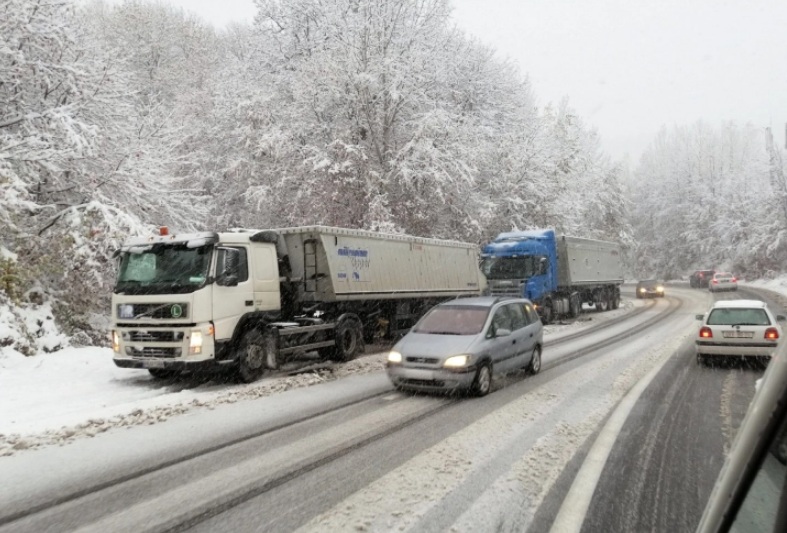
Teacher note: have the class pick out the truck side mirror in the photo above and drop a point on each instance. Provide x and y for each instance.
(542, 265)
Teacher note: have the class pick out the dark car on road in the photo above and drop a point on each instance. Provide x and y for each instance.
(650, 288)
(701, 278)
(751, 492)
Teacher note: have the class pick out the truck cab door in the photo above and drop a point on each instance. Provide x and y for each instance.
(233, 290)
(540, 284)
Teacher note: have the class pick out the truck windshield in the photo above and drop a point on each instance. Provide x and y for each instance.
(163, 269)
(510, 267)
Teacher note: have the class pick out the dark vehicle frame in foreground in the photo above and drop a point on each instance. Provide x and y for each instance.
(751, 492)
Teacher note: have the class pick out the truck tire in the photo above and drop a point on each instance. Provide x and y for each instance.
(256, 353)
(601, 300)
(349, 340)
(546, 313)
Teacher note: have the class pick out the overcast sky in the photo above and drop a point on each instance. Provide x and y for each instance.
(628, 66)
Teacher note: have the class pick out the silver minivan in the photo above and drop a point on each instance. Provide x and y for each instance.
(461, 344)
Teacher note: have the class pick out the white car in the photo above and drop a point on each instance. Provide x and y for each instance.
(723, 281)
(741, 328)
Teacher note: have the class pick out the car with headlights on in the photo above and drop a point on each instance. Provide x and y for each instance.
(738, 328)
(723, 281)
(650, 288)
(461, 344)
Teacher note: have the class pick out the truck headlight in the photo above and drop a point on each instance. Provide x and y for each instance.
(659, 289)
(394, 357)
(115, 341)
(457, 361)
(195, 345)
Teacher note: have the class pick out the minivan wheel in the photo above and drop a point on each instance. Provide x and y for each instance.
(483, 380)
(534, 367)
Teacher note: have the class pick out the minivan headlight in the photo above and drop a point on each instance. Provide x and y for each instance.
(394, 357)
(457, 361)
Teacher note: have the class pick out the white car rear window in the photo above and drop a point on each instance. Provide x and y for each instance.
(738, 317)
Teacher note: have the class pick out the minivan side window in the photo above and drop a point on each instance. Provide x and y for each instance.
(518, 318)
(501, 320)
(531, 313)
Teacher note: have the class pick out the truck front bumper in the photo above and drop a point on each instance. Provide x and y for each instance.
(177, 365)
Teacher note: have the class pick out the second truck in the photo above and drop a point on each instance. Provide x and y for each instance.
(557, 273)
(255, 300)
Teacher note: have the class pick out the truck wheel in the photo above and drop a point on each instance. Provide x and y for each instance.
(162, 373)
(601, 300)
(574, 306)
(256, 352)
(546, 313)
(349, 340)
(483, 380)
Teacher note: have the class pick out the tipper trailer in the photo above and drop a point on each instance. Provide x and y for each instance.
(557, 273)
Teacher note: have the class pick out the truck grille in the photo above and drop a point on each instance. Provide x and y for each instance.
(154, 336)
(160, 311)
(505, 288)
(153, 352)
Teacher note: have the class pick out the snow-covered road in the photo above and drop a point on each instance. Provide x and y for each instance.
(54, 398)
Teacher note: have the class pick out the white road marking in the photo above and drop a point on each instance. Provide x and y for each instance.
(572, 512)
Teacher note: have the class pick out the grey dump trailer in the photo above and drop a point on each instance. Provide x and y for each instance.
(256, 299)
(558, 273)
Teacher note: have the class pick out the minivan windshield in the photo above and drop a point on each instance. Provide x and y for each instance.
(453, 320)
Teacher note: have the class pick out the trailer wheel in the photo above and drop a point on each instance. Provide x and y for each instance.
(614, 301)
(601, 300)
(349, 340)
(256, 352)
(574, 306)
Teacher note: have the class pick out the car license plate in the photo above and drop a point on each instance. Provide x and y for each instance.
(153, 364)
(737, 334)
(426, 375)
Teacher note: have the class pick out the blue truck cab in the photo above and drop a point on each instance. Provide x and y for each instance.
(557, 273)
(521, 263)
